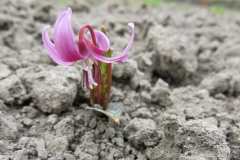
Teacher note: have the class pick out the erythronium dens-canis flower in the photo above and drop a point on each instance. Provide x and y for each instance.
(65, 51)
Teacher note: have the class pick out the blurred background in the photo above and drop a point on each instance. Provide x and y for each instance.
(215, 6)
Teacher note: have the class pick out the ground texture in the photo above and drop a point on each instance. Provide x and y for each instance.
(180, 86)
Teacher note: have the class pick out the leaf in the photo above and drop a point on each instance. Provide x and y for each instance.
(101, 93)
(114, 111)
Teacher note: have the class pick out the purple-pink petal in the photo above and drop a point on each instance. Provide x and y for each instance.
(102, 42)
(50, 47)
(121, 57)
(64, 38)
(83, 47)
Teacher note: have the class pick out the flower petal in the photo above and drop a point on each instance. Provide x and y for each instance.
(83, 47)
(121, 57)
(102, 41)
(50, 47)
(64, 38)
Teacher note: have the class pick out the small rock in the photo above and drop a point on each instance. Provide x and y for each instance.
(145, 85)
(8, 127)
(160, 93)
(109, 133)
(19, 39)
(216, 83)
(173, 54)
(203, 93)
(42, 13)
(144, 61)
(142, 113)
(3, 108)
(119, 142)
(5, 71)
(146, 97)
(41, 150)
(68, 156)
(124, 70)
(53, 91)
(58, 156)
(137, 77)
(30, 112)
(29, 59)
(87, 150)
(114, 154)
(12, 90)
(6, 147)
(142, 132)
(211, 120)
(22, 142)
(65, 128)
(52, 119)
(27, 122)
(56, 145)
(195, 137)
(20, 154)
(116, 94)
(5, 157)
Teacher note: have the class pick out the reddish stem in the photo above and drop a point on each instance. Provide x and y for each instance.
(81, 33)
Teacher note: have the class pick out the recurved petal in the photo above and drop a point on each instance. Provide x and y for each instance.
(102, 41)
(50, 47)
(64, 38)
(121, 57)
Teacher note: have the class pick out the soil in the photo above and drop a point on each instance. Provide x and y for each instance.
(180, 86)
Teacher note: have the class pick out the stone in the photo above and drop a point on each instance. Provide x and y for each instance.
(30, 112)
(116, 94)
(146, 97)
(52, 119)
(145, 85)
(124, 70)
(8, 128)
(27, 122)
(87, 150)
(52, 89)
(181, 137)
(216, 83)
(20, 154)
(39, 57)
(142, 113)
(161, 93)
(56, 145)
(5, 71)
(68, 156)
(142, 132)
(41, 150)
(173, 53)
(65, 128)
(12, 90)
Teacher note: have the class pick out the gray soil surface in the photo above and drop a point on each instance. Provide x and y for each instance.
(180, 86)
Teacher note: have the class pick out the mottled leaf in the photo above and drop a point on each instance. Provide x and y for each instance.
(114, 111)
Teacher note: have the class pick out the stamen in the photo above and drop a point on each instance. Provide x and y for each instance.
(91, 74)
(84, 64)
(83, 77)
(90, 79)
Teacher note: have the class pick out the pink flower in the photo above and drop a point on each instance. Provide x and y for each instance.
(66, 52)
